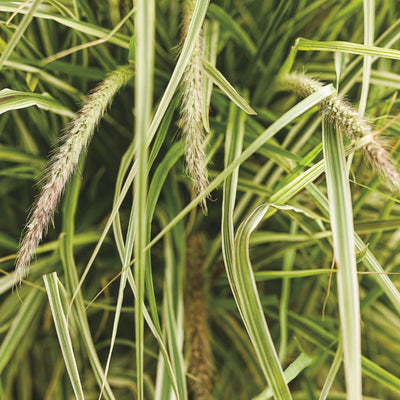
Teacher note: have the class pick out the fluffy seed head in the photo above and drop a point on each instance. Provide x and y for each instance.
(64, 162)
(351, 122)
(191, 116)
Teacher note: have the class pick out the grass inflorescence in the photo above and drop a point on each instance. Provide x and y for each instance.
(191, 110)
(64, 162)
(355, 126)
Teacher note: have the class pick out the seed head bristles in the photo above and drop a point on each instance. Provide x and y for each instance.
(191, 111)
(63, 163)
(352, 123)
(197, 336)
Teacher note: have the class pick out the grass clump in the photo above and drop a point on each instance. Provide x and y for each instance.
(150, 298)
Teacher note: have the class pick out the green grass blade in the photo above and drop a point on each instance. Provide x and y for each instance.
(12, 155)
(15, 100)
(71, 276)
(232, 27)
(304, 273)
(369, 260)
(341, 217)
(380, 276)
(144, 31)
(157, 335)
(80, 26)
(226, 87)
(290, 373)
(333, 370)
(160, 175)
(347, 47)
(61, 326)
(16, 37)
(233, 148)
(316, 334)
(250, 307)
(369, 17)
(20, 325)
(288, 262)
(173, 316)
(163, 390)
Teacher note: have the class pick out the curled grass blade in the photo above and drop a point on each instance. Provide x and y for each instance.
(249, 303)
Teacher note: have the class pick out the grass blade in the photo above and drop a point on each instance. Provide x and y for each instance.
(340, 207)
(226, 87)
(80, 26)
(369, 260)
(250, 307)
(60, 323)
(20, 325)
(233, 148)
(71, 276)
(232, 27)
(291, 372)
(337, 362)
(15, 100)
(16, 37)
(144, 31)
(173, 316)
(347, 47)
(369, 17)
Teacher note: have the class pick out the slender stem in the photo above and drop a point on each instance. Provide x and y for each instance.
(144, 23)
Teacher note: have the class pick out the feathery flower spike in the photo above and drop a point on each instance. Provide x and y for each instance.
(191, 117)
(63, 163)
(352, 123)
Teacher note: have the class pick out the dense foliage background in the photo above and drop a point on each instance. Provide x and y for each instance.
(59, 54)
